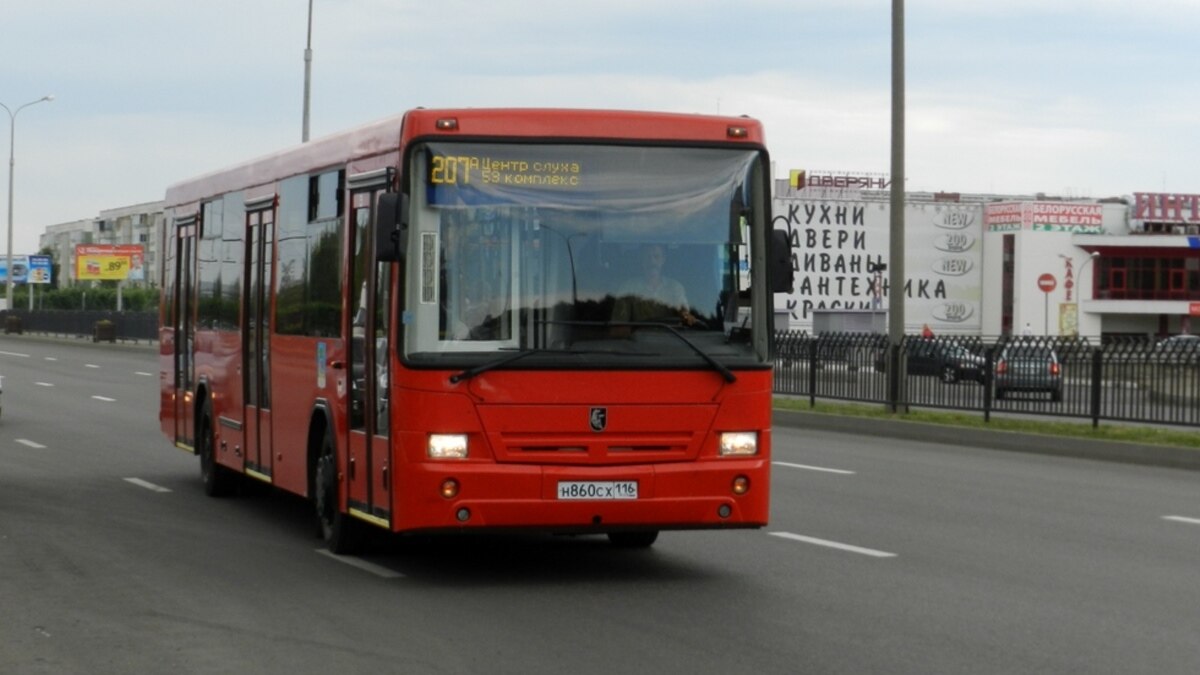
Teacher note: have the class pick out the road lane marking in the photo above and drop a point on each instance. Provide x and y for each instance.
(377, 570)
(90, 365)
(143, 373)
(147, 484)
(104, 398)
(1183, 519)
(813, 468)
(51, 358)
(834, 544)
(43, 384)
(27, 442)
(24, 356)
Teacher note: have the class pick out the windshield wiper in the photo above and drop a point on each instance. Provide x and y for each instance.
(489, 365)
(717, 365)
(509, 358)
(520, 354)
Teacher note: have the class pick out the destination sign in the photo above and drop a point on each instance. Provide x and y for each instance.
(465, 169)
(479, 175)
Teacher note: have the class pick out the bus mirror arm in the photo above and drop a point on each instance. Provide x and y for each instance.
(391, 227)
(783, 275)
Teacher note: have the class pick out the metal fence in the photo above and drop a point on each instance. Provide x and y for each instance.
(1119, 380)
(96, 325)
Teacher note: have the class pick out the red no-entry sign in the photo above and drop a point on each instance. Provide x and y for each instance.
(1047, 283)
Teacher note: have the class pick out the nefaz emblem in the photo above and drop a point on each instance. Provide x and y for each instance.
(598, 419)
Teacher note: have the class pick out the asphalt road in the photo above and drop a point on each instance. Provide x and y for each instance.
(883, 555)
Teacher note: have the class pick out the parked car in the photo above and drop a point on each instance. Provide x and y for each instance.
(1184, 348)
(946, 360)
(1028, 366)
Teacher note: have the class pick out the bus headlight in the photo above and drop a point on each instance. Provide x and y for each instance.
(739, 443)
(447, 446)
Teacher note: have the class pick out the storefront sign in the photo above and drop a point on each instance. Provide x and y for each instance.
(1161, 207)
(1044, 217)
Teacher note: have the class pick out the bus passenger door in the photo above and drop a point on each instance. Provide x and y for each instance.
(184, 323)
(368, 462)
(256, 336)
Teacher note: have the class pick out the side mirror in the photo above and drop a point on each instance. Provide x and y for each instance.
(391, 227)
(783, 277)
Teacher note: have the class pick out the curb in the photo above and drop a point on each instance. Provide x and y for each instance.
(1082, 448)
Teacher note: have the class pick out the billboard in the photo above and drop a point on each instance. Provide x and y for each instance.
(1044, 217)
(99, 262)
(27, 269)
(838, 246)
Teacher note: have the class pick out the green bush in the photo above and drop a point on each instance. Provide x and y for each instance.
(140, 299)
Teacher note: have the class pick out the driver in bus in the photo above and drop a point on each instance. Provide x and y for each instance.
(652, 296)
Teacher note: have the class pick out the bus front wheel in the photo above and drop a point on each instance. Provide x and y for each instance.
(336, 528)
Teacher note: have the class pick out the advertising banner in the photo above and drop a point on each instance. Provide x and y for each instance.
(41, 269)
(109, 262)
(839, 246)
(20, 269)
(1044, 217)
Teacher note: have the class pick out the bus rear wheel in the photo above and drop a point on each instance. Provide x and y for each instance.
(218, 480)
(340, 532)
(643, 539)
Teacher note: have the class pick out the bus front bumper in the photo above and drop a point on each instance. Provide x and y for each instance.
(719, 493)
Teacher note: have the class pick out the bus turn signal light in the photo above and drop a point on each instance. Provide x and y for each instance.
(449, 488)
(741, 485)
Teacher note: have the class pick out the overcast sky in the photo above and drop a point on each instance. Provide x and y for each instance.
(1080, 97)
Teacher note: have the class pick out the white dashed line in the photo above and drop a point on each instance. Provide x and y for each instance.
(1183, 519)
(833, 544)
(104, 398)
(51, 358)
(17, 354)
(377, 570)
(813, 468)
(90, 365)
(29, 443)
(43, 384)
(147, 484)
(143, 373)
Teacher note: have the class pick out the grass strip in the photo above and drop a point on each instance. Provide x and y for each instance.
(1111, 431)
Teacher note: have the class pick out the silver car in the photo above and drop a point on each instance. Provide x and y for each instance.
(1031, 367)
(1183, 348)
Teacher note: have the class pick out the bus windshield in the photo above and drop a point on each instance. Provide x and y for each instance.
(583, 254)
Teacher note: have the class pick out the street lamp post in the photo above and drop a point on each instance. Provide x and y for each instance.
(1092, 256)
(1079, 282)
(12, 136)
(307, 75)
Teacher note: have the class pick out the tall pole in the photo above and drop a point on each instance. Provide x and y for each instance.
(307, 74)
(12, 162)
(896, 230)
(1091, 256)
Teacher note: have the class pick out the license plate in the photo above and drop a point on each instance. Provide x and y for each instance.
(598, 489)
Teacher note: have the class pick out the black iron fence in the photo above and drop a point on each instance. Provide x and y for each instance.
(1119, 380)
(1127, 380)
(97, 325)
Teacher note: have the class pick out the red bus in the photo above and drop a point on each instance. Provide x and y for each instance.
(461, 319)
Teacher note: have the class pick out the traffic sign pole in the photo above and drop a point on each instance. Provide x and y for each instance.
(1047, 283)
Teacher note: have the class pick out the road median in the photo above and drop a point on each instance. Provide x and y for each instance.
(1063, 446)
